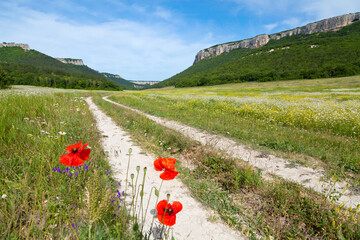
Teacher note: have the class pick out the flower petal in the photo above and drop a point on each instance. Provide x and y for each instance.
(160, 207)
(71, 159)
(168, 163)
(166, 219)
(168, 175)
(77, 146)
(66, 159)
(84, 154)
(177, 206)
(85, 145)
(157, 165)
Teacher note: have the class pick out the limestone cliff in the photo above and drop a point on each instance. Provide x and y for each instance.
(22, 45)
(78, 62)
(330, 24)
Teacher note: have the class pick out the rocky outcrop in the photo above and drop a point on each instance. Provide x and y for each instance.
(330, 24)
(22, 45)
(78, 62)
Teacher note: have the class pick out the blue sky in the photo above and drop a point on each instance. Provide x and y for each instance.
(151, 40)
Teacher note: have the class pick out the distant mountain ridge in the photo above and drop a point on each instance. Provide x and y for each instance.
(29, 67)
(326, 25)
(78, 62)
(299, 56)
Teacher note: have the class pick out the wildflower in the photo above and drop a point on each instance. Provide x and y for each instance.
(83, 113)
(45, 201)
(78, 109)
(44, 123)
(56, 104)
(76, 156)
(166, 212)
(169, 165)
(73, 225)
(4, 196)
(26, 119)
(62, 133)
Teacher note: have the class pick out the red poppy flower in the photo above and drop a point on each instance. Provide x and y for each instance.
(169, 165)
(76, 156)
(166, 212)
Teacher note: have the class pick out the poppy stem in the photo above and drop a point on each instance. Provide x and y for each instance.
(147, 207)
(127, 170)
(141, 209)
(157, 193)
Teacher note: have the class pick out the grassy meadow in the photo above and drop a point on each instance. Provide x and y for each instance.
(243, 200)
(314, 122)
(41, 198)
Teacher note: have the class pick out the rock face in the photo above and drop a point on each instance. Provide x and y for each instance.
(330, 24)
(78, 62)
(22, 45)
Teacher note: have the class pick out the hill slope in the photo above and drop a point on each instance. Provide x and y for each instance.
(317, 55)
(35, 68)
(120, 81)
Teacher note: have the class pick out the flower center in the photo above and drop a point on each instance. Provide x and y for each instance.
(74, 150)
(169, 210)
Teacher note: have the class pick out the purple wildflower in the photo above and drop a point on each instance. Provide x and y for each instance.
(107, 172)
(86, 167)
(55, 169)
(76, 174)
(70, 174)
(112, 200)
(73, 225)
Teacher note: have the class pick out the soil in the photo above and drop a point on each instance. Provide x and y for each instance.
(194, 221)
(270, 165)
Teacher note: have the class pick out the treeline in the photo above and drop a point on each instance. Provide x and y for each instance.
(331, 54)
(4, 83)
(19, 74)
(35, 68)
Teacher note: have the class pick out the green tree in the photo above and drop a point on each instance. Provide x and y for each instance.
(3, 79)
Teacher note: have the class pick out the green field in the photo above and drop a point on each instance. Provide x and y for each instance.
(314, 122)
(304, 120)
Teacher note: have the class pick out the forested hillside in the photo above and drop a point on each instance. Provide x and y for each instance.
(320, 55)
(35, 68)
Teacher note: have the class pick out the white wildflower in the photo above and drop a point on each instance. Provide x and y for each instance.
(62, 133)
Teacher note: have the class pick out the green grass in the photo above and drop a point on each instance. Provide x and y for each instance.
(242, 199)
(37, 201)
(311, 121)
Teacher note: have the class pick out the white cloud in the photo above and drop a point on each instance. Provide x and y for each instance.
(163, 13)
(131, 49)
(270, 27)
(314, 9)
(322, 9)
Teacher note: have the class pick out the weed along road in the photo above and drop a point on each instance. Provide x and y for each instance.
(269, 164)
(193, 221)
